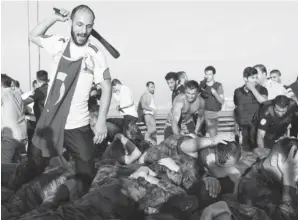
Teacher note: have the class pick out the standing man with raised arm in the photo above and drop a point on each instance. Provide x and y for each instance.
(64, 122)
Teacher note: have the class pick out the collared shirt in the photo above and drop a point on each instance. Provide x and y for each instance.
(180, 89)
(246, 104)
(55, 45)
(13, 123)
(125, 98)
(274, 89)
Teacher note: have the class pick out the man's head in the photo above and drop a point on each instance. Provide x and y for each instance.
(41, 77)
(222, 155)
(182, 77)
(150, 87)
(262, 73)
(281, 149)
(209, 73)
(275, 75)
(82, 24)
(116, 85)
(34, 84)
(6, 81)
(191, 90)
(281, 104)
(250, 75)
(172, 80)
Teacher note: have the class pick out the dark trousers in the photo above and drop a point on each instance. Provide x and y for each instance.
(119, 125)
(11, 149)
(248, 136)
(79, 144)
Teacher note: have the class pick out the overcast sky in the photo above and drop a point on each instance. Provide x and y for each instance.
(154, 38)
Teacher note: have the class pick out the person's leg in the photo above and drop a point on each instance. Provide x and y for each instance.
(212, 125)
(151, 129)
(114, 126)
(79, 142)
(245, 137)
(8, 149)
(168, 131)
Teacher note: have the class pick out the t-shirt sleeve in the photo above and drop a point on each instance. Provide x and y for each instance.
(264, 122)
(263, 91)
(52, 43)
(101, 70)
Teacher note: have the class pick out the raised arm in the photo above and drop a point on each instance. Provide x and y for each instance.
(200, 119)
(39, 31)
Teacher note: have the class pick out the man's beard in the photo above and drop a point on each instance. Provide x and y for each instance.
(74, 38)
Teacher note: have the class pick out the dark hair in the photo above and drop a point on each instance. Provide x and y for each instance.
(249, 71)
(80, 7)
(116, 82)
(223, 152)
(282, 101)
(210, 68)
(34, 82)
(283, 147)
(17, 83)
(180, 74)
(171, 75)
(5, 81)
(192, 84)
(275, 71)
(226, 151)
(42, 75)
(148, 83)
(261, 67)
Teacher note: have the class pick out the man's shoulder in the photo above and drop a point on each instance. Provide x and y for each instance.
(95, 50)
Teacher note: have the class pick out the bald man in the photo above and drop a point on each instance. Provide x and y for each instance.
(64, 123)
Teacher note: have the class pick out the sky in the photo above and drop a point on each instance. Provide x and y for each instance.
(155, 38)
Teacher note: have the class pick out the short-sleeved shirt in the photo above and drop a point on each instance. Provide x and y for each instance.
(13, 123)
(39, 97)
(247, 104)
(273, 125)
(274, 89)
(125, 98)
(55, 45)
(180, 89)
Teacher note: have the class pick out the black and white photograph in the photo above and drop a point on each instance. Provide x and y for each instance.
(149, 110)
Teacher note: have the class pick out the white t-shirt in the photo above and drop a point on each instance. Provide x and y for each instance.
(13, 123)
(125, 98)
(55, 45)
(29, 107)
(274, 89)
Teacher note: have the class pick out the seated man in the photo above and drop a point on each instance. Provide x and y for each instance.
(273, 119)
(271, 184)
(185, 106)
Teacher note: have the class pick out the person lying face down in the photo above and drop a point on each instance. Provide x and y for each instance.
(271, 184)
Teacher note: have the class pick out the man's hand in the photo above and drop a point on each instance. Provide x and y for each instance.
(169, 163)
(213, 91)
(213, 186)
(223, 138)
(214, 210)
(289, 168)
(63, 15)
(250, 86)
(143, 171)
(100, 132)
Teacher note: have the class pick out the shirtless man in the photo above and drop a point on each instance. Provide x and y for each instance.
(180, 119)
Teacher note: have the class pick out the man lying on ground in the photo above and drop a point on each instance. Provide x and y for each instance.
(271, 184)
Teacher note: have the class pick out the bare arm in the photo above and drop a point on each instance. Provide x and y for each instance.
(261, 98)
(200, 119)
(260, 138)
(219, 95)
(40, 30)
(105, 100)
(177, 108)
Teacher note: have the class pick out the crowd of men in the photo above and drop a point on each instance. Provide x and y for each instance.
(67, 109)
